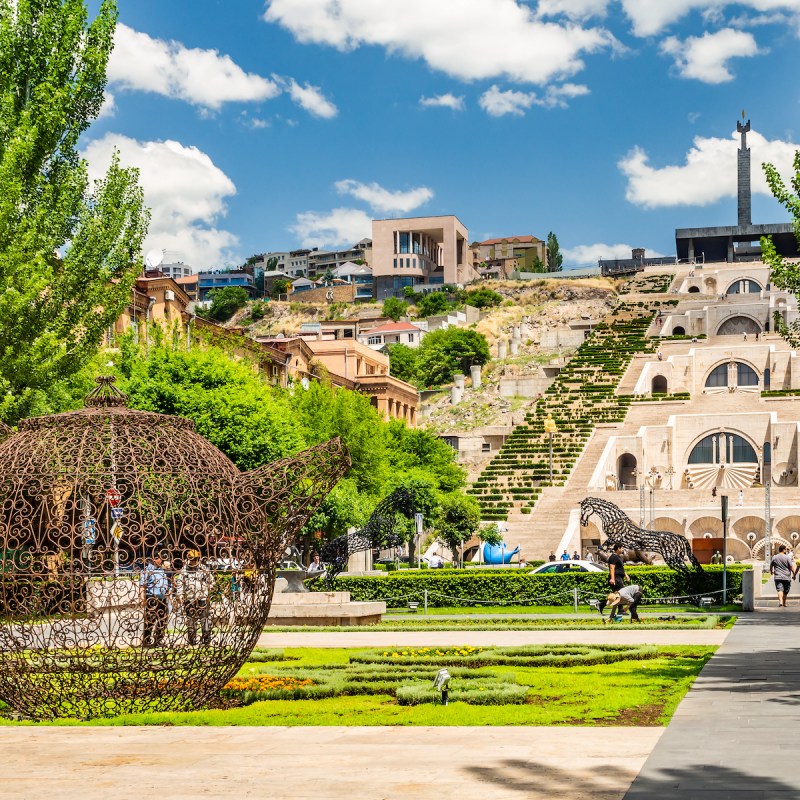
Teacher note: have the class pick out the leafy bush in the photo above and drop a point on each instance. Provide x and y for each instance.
(483, 298)
(447, 351)
(226, 302)
(431, 304)
(394, 308)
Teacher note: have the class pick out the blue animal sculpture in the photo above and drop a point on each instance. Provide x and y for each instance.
(498, 553)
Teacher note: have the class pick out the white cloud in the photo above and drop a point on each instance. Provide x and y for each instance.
(311, 99)
(498, 103)
(204, 78)
(575, 9)
(706, 57)
(472, 40)
(585, 255)
(184, 189)
(708, 174)
(443, 101)
(109, 107)
(336, 228)
(652, 16)
(385, 201)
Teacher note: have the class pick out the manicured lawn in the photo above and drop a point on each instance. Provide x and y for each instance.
(640, 691)
(569, 609)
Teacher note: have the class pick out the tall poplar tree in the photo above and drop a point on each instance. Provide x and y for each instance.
(553, 253)
(784, 274)
(69, 252)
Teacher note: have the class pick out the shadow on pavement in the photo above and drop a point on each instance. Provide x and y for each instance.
(692, 782)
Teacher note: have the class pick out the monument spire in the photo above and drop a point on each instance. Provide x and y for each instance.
(743, 173)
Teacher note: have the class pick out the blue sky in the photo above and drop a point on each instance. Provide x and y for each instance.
(273, 125)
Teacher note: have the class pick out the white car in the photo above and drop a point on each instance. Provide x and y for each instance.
(559, 567)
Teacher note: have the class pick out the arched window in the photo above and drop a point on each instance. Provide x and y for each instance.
(658, 385)
(746, 286)
(679, 330)
(718, 377)
(719, 448)
(693, 289)
(745, 375)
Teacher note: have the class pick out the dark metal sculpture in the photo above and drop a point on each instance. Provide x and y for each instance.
(619, 529)
(92, 500)
(378, 532)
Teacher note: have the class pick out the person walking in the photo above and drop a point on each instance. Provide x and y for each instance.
(576, 556)
(193, 585)
(782, 570)
(589, 556)
(551, 557)
(154, 587)
(565, 556)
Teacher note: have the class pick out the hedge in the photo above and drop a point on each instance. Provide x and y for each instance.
(518, 586)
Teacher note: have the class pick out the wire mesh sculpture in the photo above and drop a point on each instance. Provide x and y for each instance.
(380, 531)
(122, 534)
(619, 529)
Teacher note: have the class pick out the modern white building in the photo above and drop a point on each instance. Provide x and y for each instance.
(392, 333)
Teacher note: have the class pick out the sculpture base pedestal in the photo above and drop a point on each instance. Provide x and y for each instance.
(322, 608)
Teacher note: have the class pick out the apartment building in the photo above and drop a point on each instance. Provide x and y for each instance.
(500, 258)
(320, 261)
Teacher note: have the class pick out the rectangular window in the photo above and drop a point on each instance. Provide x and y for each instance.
(486, 447)
(374, 340)
(410, 337)
(404, 242)
(395, 263)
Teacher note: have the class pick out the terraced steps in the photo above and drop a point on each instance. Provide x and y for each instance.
(582, 397)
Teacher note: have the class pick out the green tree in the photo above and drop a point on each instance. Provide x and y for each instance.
(784, 274)
(430, 305)
(448, 351)
(418, 449)
(537, 265)
(69, 252)
(553, 253)
(226, 302)
(483, 298)
(402, 362)
(491, 534)
(394, 308)
(459, 519)
(281, 286)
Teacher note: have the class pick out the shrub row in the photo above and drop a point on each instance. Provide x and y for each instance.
(510, 586)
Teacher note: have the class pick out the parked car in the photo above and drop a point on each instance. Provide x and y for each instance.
(559, 567)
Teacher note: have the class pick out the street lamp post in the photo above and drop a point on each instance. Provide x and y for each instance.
(550, 428)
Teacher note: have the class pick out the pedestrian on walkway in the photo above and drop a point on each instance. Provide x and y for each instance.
(565, 556)
(552, 556)
(782, 570)
(194, 584)
(154, 589)
(616, 568)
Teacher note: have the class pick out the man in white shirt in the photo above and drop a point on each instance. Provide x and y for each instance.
(436, 562)
(193, 585)
(629, 596)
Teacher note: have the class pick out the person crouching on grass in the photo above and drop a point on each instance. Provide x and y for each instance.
(629, 596)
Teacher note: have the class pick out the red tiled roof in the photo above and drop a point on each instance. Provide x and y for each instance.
(393, 327)
(512, 239)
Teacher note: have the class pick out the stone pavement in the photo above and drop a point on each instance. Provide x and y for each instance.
(617, 634)
(733, 734)
(322, 763)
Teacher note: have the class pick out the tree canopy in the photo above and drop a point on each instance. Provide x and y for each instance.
(448, 351)
(69, 252)
(432, 304)
(253, 423)
(394, 308)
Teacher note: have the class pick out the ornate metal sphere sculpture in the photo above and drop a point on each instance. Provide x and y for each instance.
(116, 525)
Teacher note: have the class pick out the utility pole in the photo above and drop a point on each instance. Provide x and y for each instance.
(641, 504)
(767, 524)
(724, 501)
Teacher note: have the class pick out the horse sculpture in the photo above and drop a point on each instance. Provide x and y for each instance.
(378, 532)
(673, 547)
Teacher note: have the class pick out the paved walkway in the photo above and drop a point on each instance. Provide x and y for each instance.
(617, 634)
(322, 763)
(733, 736)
